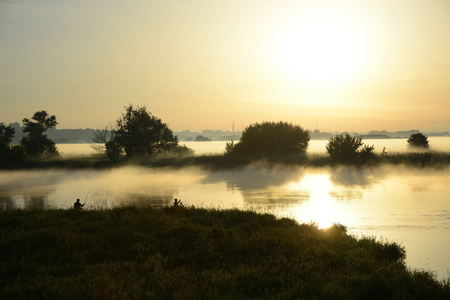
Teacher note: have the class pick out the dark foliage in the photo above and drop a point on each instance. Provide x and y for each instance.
(270, 139)
(140, 133)
(346, 149)
(6, 134)
(36, 142)
(201, 138)
(9, 154)
(107, 145)
(418, 140)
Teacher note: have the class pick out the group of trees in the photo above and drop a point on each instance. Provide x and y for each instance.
(274, 139)
(33, 144)
(270, 138)
(138, 133)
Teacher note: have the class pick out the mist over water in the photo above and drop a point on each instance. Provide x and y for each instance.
(408, 206)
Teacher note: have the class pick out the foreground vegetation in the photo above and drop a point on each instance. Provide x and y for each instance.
(189, 253)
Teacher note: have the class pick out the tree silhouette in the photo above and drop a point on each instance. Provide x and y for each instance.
(270, 138)
(6, 133)
(344, 148)
(139, 133)
(106, 143)
(9, 153)
(36, 142)
(418, 140)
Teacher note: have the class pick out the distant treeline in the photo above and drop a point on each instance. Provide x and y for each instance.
(62, 136)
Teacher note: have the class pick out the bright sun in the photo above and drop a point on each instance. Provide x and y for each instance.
(319, 48)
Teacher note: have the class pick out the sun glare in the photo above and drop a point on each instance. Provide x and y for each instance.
(320, 208)
(319, 48)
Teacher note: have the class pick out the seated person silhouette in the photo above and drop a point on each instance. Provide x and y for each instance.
(78, 204)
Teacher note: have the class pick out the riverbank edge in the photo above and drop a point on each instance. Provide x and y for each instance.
(219, 162)
(191, 253)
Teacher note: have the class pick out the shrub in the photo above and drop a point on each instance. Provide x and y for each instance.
(418, 140)
(270, 138)
(346, 149)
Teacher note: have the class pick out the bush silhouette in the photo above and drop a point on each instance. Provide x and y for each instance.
(270, 138)
(418, 140)
(346, 149)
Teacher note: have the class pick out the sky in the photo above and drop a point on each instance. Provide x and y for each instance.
(202, 64)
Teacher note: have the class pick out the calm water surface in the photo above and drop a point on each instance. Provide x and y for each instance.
(315, 146)
(410, 207)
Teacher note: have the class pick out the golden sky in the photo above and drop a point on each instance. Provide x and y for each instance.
(200, 64)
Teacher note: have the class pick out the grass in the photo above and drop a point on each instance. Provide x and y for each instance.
(190, 253)
(220, 162)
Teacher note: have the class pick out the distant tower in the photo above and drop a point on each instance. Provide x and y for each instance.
(233, 126)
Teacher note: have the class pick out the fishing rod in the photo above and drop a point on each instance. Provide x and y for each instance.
(86, 197)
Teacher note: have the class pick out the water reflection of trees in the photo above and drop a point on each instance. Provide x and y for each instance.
(255, 177)
(37, 198)
(143, 200)
(260, 177)
(32, 198)
(6, 201)
(343, 196)
(352, 176)
(275, 197)
(260, 185)
(148, 196)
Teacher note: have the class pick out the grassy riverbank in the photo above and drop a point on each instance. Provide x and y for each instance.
(218, 162)
(189, 253)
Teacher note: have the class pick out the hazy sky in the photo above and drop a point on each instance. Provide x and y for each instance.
(200, 64)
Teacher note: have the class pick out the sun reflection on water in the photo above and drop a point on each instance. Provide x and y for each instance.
(321, 208)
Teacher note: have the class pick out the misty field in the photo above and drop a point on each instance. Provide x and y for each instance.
(189, 253)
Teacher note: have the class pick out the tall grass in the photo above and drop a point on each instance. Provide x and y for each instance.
(189, 253)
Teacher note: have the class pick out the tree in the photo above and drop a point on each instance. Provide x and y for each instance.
(140, 133)
(37, 143)
(9, 153)
(270, 138)
(201, 138)
(344, 148)
(418, 140)
(6, 133)
(106, 143)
